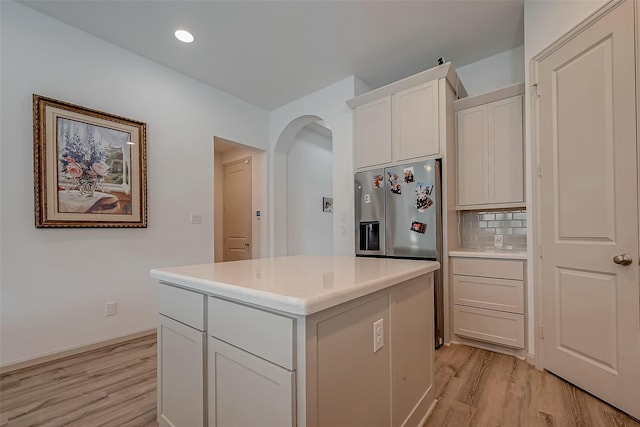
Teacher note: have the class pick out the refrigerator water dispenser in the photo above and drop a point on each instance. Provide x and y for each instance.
(370, 236)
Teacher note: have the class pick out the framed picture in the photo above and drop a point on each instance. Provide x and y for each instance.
(327, 204)
(90, 167)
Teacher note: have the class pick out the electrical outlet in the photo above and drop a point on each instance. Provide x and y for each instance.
(110, 309)
(378, 335)
(498, 240)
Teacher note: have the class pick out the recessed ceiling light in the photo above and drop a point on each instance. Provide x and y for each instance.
(184, 36)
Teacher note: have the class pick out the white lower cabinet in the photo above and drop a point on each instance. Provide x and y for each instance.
(247, 391)
(251, 366)
(488, 297)
(181, 374)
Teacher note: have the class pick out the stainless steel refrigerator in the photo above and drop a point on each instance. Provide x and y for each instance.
(398, 214)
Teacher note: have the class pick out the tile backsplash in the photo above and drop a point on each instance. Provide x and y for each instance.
(478, 228)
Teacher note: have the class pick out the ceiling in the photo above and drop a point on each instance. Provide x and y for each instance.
(270, 53)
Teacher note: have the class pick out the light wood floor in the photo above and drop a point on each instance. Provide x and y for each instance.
(481, 388)
(116, 386)
(112, 386)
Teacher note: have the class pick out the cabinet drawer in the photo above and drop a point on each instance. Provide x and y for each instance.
(182, 305)
(491, 293)
(489, 325)
(500, 268)
(267, 335)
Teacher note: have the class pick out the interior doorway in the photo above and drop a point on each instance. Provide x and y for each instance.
(239, 198)
(303, 188)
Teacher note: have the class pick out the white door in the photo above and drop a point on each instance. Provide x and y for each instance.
(236, 218)
(589, 211)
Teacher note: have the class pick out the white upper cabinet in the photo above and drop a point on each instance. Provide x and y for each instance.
(373, 133)
(415, 122)
(506, 173)
(402, 121)
(473, 141)
(490, 154)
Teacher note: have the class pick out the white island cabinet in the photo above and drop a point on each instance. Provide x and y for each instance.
(306, 341)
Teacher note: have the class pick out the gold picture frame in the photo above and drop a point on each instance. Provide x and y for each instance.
(90, 167)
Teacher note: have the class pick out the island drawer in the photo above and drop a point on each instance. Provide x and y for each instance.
(489, 325)
(265, 334)
(489, 292)
(182, 305)
(500, 268)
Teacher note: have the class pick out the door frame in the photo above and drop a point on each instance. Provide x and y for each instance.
(535, 166)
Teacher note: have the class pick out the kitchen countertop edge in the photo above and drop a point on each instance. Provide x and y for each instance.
(285, 303)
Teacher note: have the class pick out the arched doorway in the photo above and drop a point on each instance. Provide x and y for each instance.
(303, 176)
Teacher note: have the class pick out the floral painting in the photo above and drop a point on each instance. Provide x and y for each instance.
(90, 167)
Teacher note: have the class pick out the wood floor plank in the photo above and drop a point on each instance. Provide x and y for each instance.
(115, 386)
(478, 388)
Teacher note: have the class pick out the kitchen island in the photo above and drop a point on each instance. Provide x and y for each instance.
(296, 341)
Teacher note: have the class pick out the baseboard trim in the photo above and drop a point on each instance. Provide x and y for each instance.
(517, 353)
(49, 357)
(429, 412)
(531, 359)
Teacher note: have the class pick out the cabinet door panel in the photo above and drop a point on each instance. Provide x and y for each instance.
(373, 133)
(490, 293)
(180, 374)
(246, 391)
(472, 153)
(415, 120)
(505, 153)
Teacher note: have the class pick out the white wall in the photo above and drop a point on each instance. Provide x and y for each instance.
(309, 179)
(544, 22)
(504, 69)
(55, 282)
(329, 105)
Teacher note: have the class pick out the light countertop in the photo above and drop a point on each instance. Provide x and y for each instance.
(488, 253)
(300, 285)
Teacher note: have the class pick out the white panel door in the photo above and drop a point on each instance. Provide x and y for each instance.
(237, 210)
(589, 211)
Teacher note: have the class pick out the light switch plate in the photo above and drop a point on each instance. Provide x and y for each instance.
(196, 218)
(498, 240)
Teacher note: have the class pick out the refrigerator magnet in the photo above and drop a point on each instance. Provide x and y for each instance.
(418, 227)
(367, 198)
(395, 188)
(408, 175)
(378, 181)
(423, 201)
